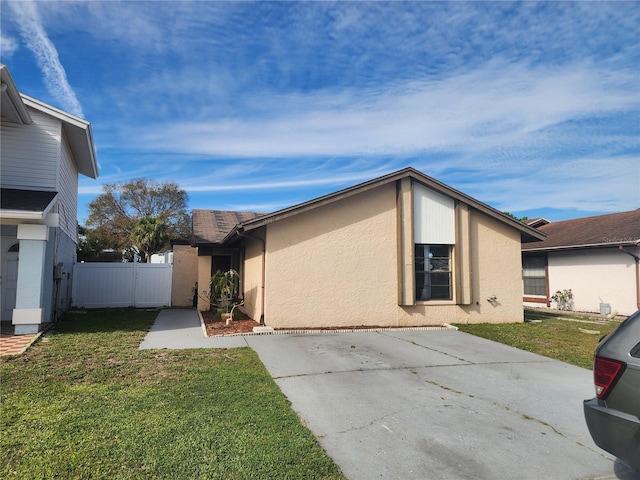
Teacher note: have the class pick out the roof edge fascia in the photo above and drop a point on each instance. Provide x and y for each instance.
(15, 96)
(313, 204)
(408, 172)
(54, 112)
(75, 127)
(532, 233)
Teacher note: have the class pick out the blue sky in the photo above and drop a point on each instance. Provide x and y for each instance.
(531, 107)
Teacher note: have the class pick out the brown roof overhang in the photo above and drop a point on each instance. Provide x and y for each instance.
(528, 234)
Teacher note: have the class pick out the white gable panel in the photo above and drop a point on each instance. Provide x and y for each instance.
(30, 153)
(433, 217)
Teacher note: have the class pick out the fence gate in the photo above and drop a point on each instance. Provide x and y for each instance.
(103, 285)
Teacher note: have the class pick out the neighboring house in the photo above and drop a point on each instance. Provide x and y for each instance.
(596, 257)
(43, 150)
(399, 250)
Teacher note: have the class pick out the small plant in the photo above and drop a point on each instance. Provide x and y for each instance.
(223, 292)
(563, 299)
(194, 296)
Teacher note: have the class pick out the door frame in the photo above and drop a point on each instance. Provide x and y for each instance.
(8, 294)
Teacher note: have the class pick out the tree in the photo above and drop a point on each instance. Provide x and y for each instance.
(90, 247)
(149, 235)
(114, 214)
(522, 219)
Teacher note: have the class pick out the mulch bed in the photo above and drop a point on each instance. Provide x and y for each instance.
(216, 326)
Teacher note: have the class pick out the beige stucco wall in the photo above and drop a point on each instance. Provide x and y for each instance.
(184, 275)
(494, 269)
(334, 265)
(496, 266)
(252, 276)
(594, 275)
(337, 265)
(204, 280)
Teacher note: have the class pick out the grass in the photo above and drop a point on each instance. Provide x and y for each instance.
(549, 334)
(85, 403)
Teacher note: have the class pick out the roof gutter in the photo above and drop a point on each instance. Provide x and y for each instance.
(22, 215)
(637, 261)
(575, 247)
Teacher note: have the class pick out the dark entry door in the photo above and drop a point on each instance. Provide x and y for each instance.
(220, 262)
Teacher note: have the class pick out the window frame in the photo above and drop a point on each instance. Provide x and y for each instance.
(422, 259)
(542, 265)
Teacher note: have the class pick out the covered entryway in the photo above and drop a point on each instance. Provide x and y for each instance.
(9, 275)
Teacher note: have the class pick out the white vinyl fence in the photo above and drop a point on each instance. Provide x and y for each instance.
(103, 285)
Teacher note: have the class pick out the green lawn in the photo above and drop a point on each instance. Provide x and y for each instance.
(549, 334)
(85, 403)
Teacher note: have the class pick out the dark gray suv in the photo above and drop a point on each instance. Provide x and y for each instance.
(613, 417)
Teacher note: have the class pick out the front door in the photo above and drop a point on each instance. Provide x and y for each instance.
(9, 276)
(220, 262)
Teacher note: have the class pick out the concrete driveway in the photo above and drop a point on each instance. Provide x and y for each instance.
(431, 404)
(437, 405)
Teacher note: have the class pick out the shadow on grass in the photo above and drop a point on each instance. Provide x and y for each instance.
(105, 320)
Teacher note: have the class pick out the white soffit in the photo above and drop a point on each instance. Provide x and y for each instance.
(433, 216)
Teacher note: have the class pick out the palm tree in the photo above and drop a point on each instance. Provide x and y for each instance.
(149, 235)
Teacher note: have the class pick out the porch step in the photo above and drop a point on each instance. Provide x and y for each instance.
(263, 329)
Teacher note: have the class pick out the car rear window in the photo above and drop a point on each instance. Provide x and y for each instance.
(635, 351)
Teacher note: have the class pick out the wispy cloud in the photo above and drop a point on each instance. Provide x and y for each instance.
(46, 55)
(260, 105)
(472, 112)
(8, 46)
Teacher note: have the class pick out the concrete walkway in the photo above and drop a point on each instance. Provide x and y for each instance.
(181, 329)
(12, 344)
(424, 404)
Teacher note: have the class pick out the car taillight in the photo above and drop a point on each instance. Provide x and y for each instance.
(605, 374)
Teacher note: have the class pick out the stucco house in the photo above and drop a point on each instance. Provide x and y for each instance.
(399, 250)
(596, 257)
(43, 151)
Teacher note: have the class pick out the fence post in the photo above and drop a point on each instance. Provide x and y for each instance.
(135, 283)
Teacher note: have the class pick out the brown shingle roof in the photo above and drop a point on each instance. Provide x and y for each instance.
(212, 226)
(602, 230)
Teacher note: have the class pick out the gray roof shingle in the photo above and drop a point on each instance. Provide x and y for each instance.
(25, 200)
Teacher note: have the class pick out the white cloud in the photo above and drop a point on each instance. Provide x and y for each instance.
(522, 105)
(586, 184)
(469, 113)
(46, 55)
(8, 46)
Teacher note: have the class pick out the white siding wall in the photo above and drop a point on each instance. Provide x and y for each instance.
(65, 254)
(433, 217)
(30, 153)
(67, 185)
(595, 275)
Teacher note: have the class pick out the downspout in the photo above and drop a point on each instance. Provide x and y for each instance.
(264, 248)
(637, 260)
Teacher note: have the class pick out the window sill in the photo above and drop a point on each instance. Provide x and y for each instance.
(435, 302)
(535, 299)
